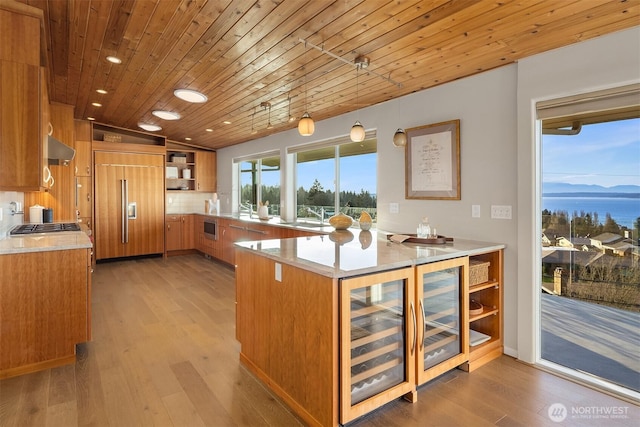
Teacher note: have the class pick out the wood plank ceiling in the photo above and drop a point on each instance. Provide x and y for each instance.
(241, 53)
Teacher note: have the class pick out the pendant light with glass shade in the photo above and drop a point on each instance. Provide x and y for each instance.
(357, 133)
(400, 138)
(306, 127)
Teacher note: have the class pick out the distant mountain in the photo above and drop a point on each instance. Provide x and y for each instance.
(561, 187)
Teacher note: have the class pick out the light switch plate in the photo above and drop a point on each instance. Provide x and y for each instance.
(475, 211)
(394, 208)
(501, 211)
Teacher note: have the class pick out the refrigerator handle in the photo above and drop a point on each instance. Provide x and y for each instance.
(123, 207)
(126, 210)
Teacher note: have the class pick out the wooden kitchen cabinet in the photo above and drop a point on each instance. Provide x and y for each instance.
(486, 328)
(45, 310)
(24, 100)
(205, 171)
(179, 232)
(82, 161)
(61, 197)
(200, 166)
(240, 231)
(84, 199)
(289, 334)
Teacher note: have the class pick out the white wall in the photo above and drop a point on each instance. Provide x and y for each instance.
(605, 62)
(485, 105)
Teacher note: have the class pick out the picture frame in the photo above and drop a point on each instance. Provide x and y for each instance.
(432, 161)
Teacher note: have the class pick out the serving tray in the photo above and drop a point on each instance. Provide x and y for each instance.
(413, 238)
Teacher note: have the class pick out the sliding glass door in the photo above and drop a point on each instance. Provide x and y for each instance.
(590, 281)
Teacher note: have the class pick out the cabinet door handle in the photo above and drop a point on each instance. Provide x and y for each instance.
(237, 227)
(256, 231)
(422, 324)
(88, 197)
(168, 226)
(415, 327)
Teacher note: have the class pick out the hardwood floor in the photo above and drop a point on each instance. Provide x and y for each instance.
(164, 353)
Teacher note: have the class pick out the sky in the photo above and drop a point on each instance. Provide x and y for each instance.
(605, 154)
(323, 171)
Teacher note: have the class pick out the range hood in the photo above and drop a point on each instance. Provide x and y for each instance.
(59, 153)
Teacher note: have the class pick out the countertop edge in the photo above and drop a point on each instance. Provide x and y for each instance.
(411, 256)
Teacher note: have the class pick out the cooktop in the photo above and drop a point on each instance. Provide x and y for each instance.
(45, 228)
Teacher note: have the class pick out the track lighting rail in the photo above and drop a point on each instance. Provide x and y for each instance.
(352, 63)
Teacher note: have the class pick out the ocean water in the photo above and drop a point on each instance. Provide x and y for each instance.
(623, 211)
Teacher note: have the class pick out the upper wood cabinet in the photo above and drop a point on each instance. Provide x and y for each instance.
(191, 170)
(82, 161)
(205, 171)
(23, 100)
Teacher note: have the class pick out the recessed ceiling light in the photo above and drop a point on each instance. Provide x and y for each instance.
(166, 115)
(96, 104)
(209, 130)
(114, 60)
(91, 118)
(227, 122)
(149, 127)
(101, 91)
(190, 95)
(187, 139)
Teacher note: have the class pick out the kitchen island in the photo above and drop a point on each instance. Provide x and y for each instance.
(340, 324)
(45, 300)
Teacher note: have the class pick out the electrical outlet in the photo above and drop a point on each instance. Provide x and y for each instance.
(394, 208)
(501, 211)
(278, 272)
(475, 211)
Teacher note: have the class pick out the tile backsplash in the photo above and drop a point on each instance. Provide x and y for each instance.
(186, 202)
(9, 220)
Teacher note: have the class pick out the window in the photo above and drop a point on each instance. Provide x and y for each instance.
(259, 181)
(336, 176)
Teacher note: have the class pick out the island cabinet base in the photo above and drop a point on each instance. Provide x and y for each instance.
(288, 330)
(44, 309)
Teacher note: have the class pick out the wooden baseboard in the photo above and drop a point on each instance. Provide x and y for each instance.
(181, 252)
(40, 366)
(282, 394)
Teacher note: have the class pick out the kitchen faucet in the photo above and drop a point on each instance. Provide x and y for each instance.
(319, 215)
(248, 207)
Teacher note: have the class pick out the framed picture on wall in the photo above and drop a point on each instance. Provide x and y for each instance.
(432, 161)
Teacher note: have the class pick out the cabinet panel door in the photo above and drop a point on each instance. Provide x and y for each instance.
(82, 160)
(84, 196)
(109, 239)
(146, 218)
(20, 137)
(205, 171)
(188, 237)
(173, 233)
(442, 317)
(378, 341)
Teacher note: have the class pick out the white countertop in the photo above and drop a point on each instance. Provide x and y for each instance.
(42, 242)
(366, 252)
